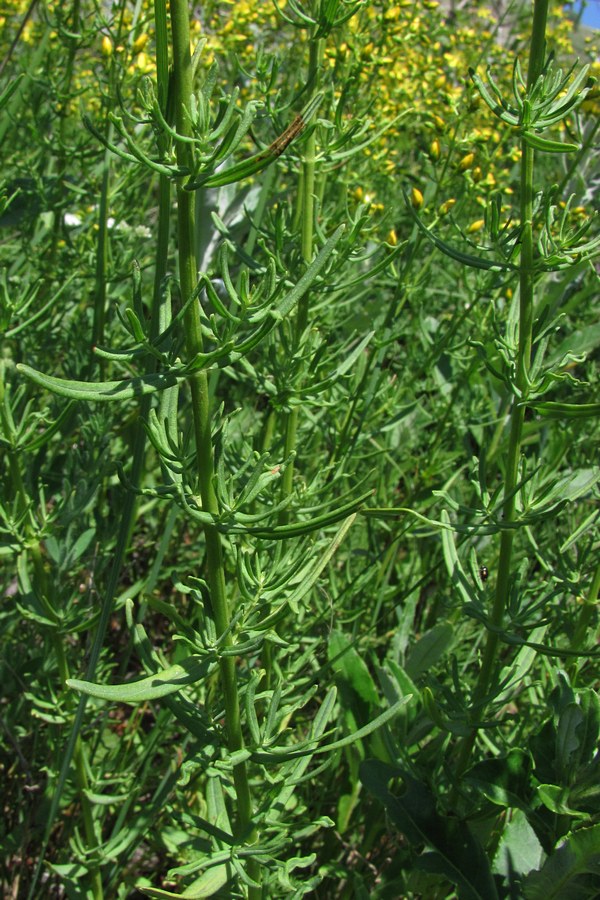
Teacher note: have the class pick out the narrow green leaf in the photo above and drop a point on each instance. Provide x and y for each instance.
(291, 299)
(546, 145)
(347, 741)
(453, 564)
(103, 391)
(9, 90)
(467, 259)
(259, 161)
(296, 529)
(169, 681)
(106, 799)
(555, 410)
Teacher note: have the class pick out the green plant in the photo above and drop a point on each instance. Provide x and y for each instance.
(231, 631)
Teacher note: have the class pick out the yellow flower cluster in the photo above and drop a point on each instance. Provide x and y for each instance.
(407, 57)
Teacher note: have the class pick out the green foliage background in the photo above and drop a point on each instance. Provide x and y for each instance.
(379, 761)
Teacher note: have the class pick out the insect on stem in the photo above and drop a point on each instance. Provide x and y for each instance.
(280, 143)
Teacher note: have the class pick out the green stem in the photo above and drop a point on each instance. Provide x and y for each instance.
(102, 253)
(306, 204)
(517, 415)
(182, 94)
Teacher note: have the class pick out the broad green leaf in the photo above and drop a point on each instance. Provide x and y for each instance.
(568, 742)
(566, 488)
(350, 667)
(209, 883)
(157, 892)
(429, 649)
(169, 681)
(519, 851)
(572, 872)
(455, 852)
(504, 781)
(583, 341)
(558, 800)
(80, 546)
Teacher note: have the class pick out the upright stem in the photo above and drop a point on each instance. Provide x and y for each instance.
(182, 93)
(517, 415)
(306, 204)
(102, 244)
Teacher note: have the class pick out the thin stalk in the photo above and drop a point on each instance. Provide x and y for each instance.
(99, 319)
(517, 414)
(182, 94)
(102, 253)
(306, 205)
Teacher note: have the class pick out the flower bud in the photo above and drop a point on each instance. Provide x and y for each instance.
(466, 162)
(474, 227)
(435, 150)
(416, 198)
(139, 43)
(445, 208)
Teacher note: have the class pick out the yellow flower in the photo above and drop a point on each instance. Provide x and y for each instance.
(392, 238)
(446, 207)
(474, 227)
(107, 47)
(416, 198)
(466, 162)
(435, 150)
(139, 43)
(142, 63)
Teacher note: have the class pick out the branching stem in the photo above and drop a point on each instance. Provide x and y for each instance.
(518, 409)
(182, 94)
